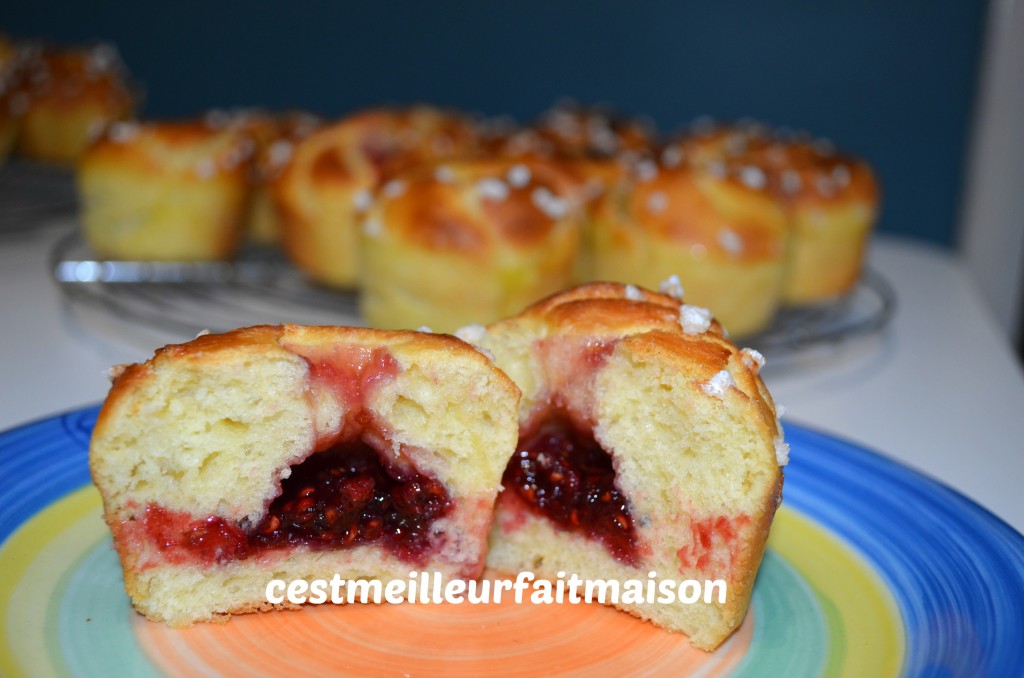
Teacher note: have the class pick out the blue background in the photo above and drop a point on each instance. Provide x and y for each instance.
(891, 81)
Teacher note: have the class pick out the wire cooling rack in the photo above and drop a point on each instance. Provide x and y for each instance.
(31, 193)
(260, 287)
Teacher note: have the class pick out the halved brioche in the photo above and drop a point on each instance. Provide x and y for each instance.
(203, 457)
(695, 449)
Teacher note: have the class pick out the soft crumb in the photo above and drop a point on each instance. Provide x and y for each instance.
(694, 319)
(672, 287)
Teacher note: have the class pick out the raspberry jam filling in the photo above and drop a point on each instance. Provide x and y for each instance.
(335, 499)
(345, 496)
(566, 476)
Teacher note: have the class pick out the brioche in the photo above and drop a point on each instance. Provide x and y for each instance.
(333, 170)
(647, 443)
(723, 234)
(166, 191)
(275, 136)
(298, 453)
(831, 199)
(65, 96)
(467, 241)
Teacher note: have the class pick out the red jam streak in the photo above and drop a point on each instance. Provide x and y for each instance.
(564, 474)
(715, 545)
(335, 499)
(351, 372)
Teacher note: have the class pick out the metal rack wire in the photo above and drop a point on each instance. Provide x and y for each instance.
(260, 287)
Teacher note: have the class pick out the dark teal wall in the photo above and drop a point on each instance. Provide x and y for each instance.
(893, 81)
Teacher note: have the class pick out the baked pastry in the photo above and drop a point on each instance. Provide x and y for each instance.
(647, 443)
(165, 191)
(336, 168)
(831, 199)
(274, 136)
(719, 230)
(298, 453)
(68, 96)
(595, 131)
(467, 241)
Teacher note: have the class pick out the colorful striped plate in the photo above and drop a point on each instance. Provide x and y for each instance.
(872, 570)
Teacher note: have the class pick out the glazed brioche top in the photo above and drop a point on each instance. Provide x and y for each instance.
(365, 148)
(710, 211)
(792, 166)
(192, 148)
(67, 75)
(593, 130)
(474, 205)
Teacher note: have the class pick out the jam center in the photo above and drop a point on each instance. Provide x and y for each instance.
(345, 496)
(338, 498)
(564, 474)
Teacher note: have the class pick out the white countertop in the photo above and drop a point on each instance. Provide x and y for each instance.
(939, 390)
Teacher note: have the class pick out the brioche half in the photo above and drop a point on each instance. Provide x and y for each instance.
(299, 453)
(648, 443)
